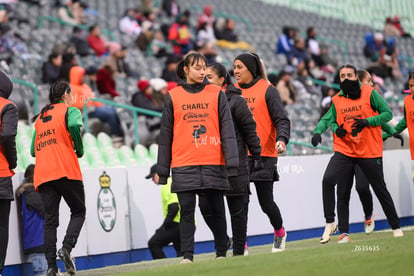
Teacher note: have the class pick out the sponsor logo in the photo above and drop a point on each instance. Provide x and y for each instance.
(106, 204)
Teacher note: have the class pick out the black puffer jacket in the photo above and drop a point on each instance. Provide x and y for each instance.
(193, 178)
(245, 129)
(281, 122)
(8, 132)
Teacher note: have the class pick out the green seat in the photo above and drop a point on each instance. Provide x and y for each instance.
(141, 152)
(126, 156)
(153, 152)
(104, 140)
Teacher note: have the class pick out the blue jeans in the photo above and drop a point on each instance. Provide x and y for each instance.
(39, 264)
(108, 115)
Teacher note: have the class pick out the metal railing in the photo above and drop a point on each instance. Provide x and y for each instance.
(34, 89)
(134, 109)
(82, 26)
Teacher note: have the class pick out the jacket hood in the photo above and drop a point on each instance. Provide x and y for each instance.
(6, 86)
(192, 88)
(231, 90)
(76, 74)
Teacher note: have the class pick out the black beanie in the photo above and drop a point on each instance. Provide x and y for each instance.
(250, 61)
(6, 85)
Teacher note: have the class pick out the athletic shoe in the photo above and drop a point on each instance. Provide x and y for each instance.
(67, 260)
(397, 233)
(246, 252)
(344, 238)
(53, 272)
(369, 225)
(330, 229)
(220, 257)
(279, 243)
(229, 243)
(186, 261)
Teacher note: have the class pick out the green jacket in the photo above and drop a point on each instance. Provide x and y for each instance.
(377, 103)
(400, 126)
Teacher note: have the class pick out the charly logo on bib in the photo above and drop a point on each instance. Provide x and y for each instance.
(106, 203)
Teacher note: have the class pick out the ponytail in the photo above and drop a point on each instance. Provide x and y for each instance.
(56, 92)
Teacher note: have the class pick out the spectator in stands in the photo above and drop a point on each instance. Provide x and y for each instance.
(31, 214)
(148, 6)
(117, 60)
(169, 72)
(72, 12)
(179, 34)
(97, 43)
(170, 7)
(105, 81)
(145, 37)
(227, 38)
(205, 34)
(169, 231)
(390, 29)
(298, 53)
(79, 40)
(206, 17)
(159, 47)
(68, 61)
(91, 72)
(285, 41)
(143, 98)
(81, 91)
(285, 87)
(51, 68)
(160, 87)
(128, 24)
(303, 82)
(8, 153)
(312, 44)
(208, 50)
(397, 24)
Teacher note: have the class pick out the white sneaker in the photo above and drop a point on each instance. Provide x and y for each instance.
(186, 261)
(369, 225)
(330, 228)
(397, 233)
(246, 250)
(279, 243)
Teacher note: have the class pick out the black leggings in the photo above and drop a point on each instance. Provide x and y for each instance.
(328, 190)
(343, 168)
(4, 230)
(264, 190)
(162, 237)
(236, 205)
(73, 193)
(215, 201)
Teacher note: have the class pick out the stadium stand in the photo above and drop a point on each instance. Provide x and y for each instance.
(340, 24)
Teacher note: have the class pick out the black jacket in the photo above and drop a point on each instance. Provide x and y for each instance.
(246, 135)
(194, 178)
(281, 122)
(9, 119)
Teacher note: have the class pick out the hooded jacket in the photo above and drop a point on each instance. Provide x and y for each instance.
(197, 177)
(246, 135)
(81, 91)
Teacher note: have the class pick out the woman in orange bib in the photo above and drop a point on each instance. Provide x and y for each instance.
(273, 129)
(57, 144)
(198, 142)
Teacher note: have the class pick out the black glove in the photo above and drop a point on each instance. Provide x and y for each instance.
(360, 124)
(258, 165)
(162, 180)
(399, 136)
(340, 131)
(316, 139)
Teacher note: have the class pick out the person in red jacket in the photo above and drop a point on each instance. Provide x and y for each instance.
(105, 81)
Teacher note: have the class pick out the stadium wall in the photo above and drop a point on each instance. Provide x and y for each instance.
(137, 213)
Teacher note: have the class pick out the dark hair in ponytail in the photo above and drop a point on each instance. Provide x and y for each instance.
(187, 61)
(56, 92)
(221, 72)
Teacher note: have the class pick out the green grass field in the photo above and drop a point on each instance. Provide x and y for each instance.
(375, 254)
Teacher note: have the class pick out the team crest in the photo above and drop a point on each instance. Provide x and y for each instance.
(106, 204)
